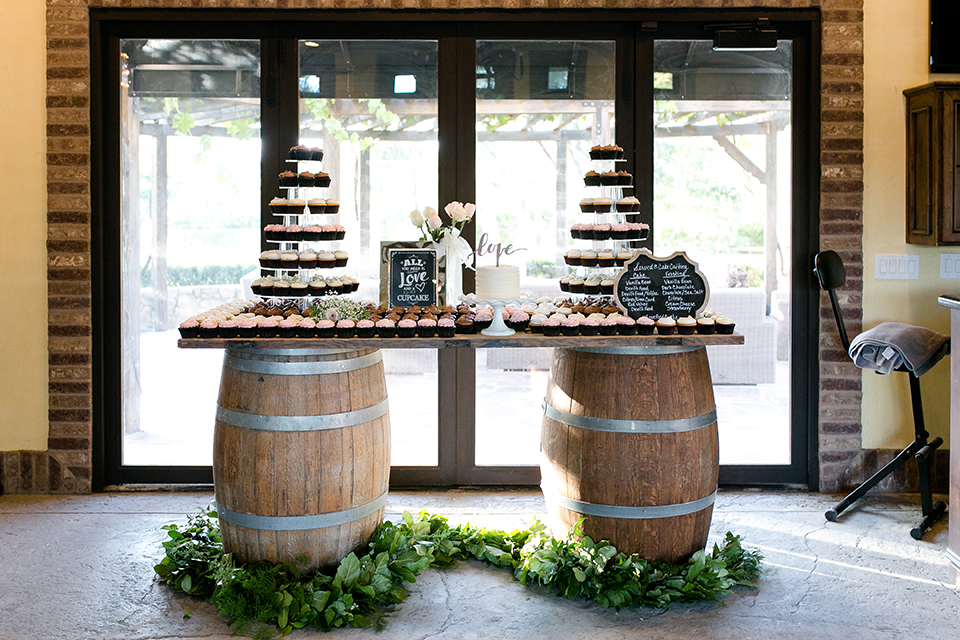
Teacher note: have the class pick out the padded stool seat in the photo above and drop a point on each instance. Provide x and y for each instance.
(894, 346)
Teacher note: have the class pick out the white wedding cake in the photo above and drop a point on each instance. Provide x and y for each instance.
(498, 283)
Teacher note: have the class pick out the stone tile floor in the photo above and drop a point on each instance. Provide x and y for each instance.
(80, 567)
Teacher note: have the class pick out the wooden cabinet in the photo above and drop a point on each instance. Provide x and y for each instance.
(933, 164)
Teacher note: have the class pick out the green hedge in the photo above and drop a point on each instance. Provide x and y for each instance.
(213, 274)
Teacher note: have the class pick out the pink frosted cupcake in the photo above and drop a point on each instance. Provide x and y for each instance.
(608, 327)
(589, 327)
(386, 328)
(645, 326)
(601, 232)
(570, 326)
(346, 328)
(307, 328)
(446, 327)
(366, 329)
(551, 327)
(326, 329)
(208, 328)
(426, 328)
(626, 326)
(518, 321)
(406, 328)
(268, 327)
(482, 320)
(189, 329)
(248, 328)
(287, 328)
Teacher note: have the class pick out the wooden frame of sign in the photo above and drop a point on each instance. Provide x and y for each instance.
(412, 277)
(657, 287)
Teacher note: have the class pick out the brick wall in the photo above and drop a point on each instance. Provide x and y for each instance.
(66, 466)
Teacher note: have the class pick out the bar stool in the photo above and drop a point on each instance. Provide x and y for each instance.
(890, 346)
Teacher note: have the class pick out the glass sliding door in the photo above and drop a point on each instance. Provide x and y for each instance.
(541, 105)
(190, 221)
(723, 193)
(371, 105)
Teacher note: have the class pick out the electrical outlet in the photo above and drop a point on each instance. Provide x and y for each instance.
(897, 267)
(950, 265)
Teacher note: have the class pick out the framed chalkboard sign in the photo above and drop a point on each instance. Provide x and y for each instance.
(659, 287)
(412, 277)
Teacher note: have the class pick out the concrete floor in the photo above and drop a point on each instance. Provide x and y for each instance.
(78, 568)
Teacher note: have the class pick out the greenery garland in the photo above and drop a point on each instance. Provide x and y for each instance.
(280, 596)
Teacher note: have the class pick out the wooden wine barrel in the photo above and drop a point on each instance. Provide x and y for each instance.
(629, 442)
(301, 453)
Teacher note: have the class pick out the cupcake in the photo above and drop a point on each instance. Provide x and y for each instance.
(298, 289)
(591, 286)
(666, 326)
(686, 326)
(289, 260)
(321, 179)
(335, 286)
(536, 323)
(288, 179)
(189, 329)
(317, 205)
(446, 327)
(724, 325)
(622, 258)
(608, 327)
(332, 206)
(464, 325)
(324, 328)
(626, 326)
(518, 321)
(624, 179)
(565, 283)
(482, 321)
(629, 204)
(602, 205)
(278, 206)
(339, 232)
(229, 328)
(605, 259)
(426, 328)
(268, 327)
(645, 326)
(576, 285)
(366, 329)
(247, 328)
(287, 328)
(273, 259)
(619, 231)
(316, 154)
(609, 178)
(317, 288)
(326, 260)
(596, 152)
(570, 326)
(346, 328)
(406, 328)
(386, 328)
(295, 206)
(307, 328)
(601, 232)
(299, 152)
(265, 260)
(273, 232)
(340, 258)
(306, 179)
(606, 286)
(589, 327)
(311, 233)
(572, 257)
(586, 205)
(551, 327)
(293, 233)
(308, 260)
(208, 328)
(706, 326)
(591, 179)
(589, 258)
(328, 232)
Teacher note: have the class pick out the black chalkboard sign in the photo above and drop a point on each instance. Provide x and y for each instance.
(658, 287)
(412, 277)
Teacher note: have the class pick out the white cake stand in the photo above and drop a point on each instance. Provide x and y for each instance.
(498, 329)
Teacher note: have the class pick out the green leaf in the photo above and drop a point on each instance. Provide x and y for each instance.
(186, 583)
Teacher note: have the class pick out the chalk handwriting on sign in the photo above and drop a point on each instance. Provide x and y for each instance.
(658, 287)
(413, 277)
(485, 247)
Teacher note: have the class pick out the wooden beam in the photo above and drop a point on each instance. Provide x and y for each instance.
(746, 163)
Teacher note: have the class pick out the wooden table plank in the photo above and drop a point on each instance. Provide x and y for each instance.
(474, 341)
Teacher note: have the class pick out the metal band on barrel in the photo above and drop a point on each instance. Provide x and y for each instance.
(631, 513)
(290, 352)
(241, 362)
(301, 523)
(630, 426)
(651, 350)
(302, 423)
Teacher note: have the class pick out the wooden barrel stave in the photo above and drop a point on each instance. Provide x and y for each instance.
(297, 473)
(632, 469)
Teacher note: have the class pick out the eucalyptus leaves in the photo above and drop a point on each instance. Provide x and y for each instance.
(362, 587)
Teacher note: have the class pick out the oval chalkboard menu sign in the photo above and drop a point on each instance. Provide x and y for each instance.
(412, 277)
(659, 287)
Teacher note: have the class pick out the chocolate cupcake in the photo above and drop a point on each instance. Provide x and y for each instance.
(366, 329)
(608, 327)
(306, 179)
(298, 289)
(666, 326)
(325, 328)
(316, 154)
(340, 258)
(605, 259)
(518, 321)
(426, 328)
(572, 257)
(645, 326)
(589, 327)
(596, 152)
(576, 285)
(606, 286)
(589, 258)
(189, 329)
(346, 328)
(317, 288)
(551, 327)
(268, 327)
(308, 260)
(725, 325)
(591, 286)
(586, 205)
(570, 327)
(481, 322)
(287, 328)
(706, 326)
(247, 328)
(565, 283)
(591, 179)
(332, 206)
(464, 325)
(307, 328)
(686, 326)
(321, 179)
(288, 179)
(326, 260)
(386, 328)
(626, 326)
(446, 327)
(406, 328)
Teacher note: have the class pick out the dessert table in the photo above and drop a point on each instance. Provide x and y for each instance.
(301, 446)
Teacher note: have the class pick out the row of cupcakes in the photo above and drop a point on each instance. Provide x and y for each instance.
(603, 258)
(608, 179)
(293, 260)
(287, 287)
(296, 206)
(309, 233)
(304, 179)
(606, 152)
(592, 285)
(301, 152)
(629, 204)
(623, 231)
(310, 328)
